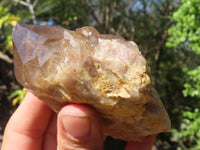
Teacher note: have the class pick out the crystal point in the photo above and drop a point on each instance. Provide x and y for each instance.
(105, 71)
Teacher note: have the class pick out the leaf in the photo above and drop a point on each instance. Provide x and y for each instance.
(18, 96)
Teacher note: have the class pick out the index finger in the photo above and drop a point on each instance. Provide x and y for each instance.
(27, 125)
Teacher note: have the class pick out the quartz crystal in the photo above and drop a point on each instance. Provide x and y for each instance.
(106, 72)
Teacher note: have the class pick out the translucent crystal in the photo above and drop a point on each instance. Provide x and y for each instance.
(105, 71)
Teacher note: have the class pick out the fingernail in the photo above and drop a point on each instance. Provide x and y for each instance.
(78, 127)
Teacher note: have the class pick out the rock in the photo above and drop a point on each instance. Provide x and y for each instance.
(104, 71)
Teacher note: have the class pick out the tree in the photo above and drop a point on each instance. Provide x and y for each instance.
(185, 36)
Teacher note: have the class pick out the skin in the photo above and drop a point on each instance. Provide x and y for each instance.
(34, 126)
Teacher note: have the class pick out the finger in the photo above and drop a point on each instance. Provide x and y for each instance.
(26, 126)
(50, 135)
(79, 128)
(146, 144)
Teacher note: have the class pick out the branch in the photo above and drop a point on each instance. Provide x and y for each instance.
(94, 16)
(35, 3)
(32, 14)
(157, 7)
(30, 7)
(5, 58)
(131, 3)
(92, 12)
(23, 3)
(182, 145)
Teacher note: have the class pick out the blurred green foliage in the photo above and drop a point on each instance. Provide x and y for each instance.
(7, 21)
(189, 135)
(187, 27)
(192, 88)
(185, 34)
(18, 96)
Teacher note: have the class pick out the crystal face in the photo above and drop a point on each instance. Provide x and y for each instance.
(106, 72)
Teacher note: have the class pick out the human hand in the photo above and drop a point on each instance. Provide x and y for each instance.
(34, 126)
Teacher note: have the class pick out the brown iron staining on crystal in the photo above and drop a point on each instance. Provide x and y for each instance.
(61, 66)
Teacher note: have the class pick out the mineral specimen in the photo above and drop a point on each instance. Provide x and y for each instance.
(105, 71)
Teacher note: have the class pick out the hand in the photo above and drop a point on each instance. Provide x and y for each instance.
(34, 126)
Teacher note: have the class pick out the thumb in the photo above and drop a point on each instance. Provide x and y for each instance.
(79, 128)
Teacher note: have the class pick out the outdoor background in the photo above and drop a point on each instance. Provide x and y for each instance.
(166, 31)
